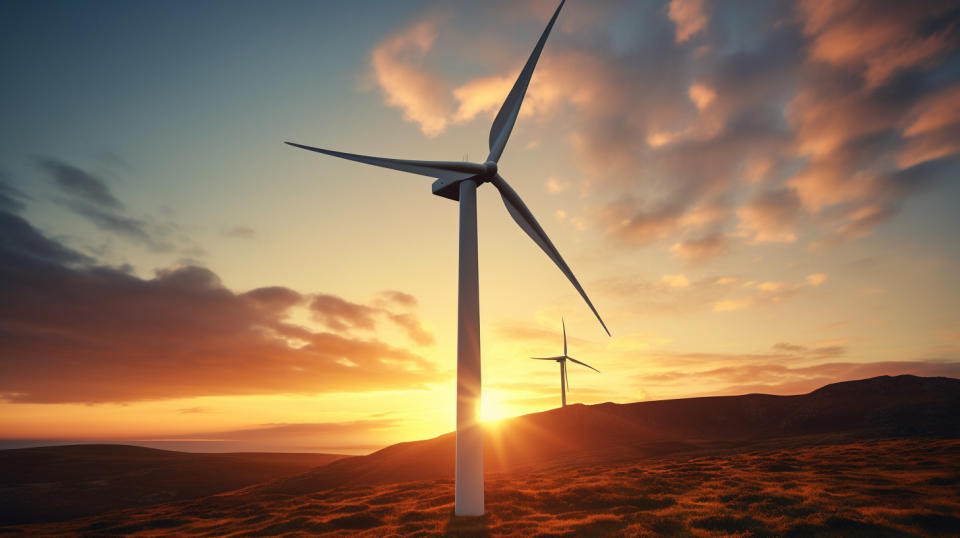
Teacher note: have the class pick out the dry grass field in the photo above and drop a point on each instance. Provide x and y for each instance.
(895, 487)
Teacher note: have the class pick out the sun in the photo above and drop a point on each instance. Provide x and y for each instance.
(492, 407)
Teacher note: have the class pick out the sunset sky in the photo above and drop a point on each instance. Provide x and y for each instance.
(757, 196)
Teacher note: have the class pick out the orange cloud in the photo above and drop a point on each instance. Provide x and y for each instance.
(730, 305)
(638, 227)
(935, 113)
(690, 17)
(414, 328)
(340, 315)
(399, 298)
(484, 94)
(701, 95)
(879, 39)
(827, 117)
(555, 186)
(933, 130)
(698, 250)
(398, 69)
(925, 148)
(675, 281)
(834, 181)
(767, 293)
(770, 218)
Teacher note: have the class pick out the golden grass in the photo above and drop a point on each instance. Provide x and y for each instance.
(870, 488)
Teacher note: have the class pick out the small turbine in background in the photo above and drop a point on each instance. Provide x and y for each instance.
(564, 380)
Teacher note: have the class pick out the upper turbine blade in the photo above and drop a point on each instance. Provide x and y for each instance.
(564, 325)
(439, 169)
(518, 210)
(583, 364)
(503, 124)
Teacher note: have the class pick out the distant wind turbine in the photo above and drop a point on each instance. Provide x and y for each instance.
(459, 181)
(564, 380)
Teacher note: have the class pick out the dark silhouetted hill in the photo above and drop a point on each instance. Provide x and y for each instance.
(64, 482)
(881, 407)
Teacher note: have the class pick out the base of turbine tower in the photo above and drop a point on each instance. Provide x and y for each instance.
(469, 478)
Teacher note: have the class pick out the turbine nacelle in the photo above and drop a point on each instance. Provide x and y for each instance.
(450, 187)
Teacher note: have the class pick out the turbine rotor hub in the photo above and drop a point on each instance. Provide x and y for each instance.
(489, 170)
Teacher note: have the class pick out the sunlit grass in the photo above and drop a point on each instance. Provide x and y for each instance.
(873, 488)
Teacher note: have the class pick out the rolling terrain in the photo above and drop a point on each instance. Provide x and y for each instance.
(902, 406)
(873, 488)
(876, 457)
(64, 482)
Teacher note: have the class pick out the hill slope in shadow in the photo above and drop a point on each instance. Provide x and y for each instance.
(880, 407)
(64, 482)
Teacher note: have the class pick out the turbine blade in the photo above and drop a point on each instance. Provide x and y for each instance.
(546, 358)
(566, 376)
(564, 325)
(583, 364)
(507, 116)
(524, 218)
(439, 169)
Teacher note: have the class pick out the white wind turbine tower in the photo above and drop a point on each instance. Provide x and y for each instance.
(564, 380)
(459, 181)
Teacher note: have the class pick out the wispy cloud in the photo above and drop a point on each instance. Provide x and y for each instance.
(348, 436)
(767, 293)
(90, 197)
(11, 198)
(522, 332)
(240, 232)
(776, 378)
(124, 226)
(79, 183)
(341, 315)
(701, 249)
(676, 294)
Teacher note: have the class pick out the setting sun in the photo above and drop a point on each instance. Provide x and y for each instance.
(492, 407)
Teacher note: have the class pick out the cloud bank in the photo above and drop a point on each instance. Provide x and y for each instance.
(700, 125)
(73, 331)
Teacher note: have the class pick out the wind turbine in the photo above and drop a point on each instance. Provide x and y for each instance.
(564, 380)
(459, 181)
